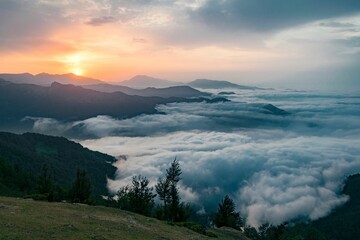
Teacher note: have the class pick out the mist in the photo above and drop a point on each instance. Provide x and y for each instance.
(277, 167)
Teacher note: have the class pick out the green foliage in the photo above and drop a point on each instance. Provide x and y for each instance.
(141, 196)
(342, 224)
(172, 209)
(45, 183)
(14, 181)
(45, 149)
(251, 233)
(81, 188)
(30, 152)
(138, 197)
(226, 215)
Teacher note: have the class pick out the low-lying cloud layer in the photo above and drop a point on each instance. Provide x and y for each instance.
(272, 180)
(277, 168)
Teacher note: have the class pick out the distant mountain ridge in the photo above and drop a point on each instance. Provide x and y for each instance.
(218, 84)
(69, 102)
(176, 91)
(143, 81)
(45, 79)
(128, 86)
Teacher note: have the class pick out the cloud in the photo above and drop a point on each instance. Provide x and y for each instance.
(174, 117)
(271, 15)
(101, 20)
(272, 180)
(291, 169)
(26, 24)
(334, 24)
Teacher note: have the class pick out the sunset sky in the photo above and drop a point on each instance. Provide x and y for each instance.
(240, 40)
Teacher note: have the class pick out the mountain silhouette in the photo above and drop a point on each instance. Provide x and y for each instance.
(216, 84)
(45, 79)
(177, 91)
(143, 81)
(69, 102)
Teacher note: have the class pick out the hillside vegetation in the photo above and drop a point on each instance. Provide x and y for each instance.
(27, 153)
(28, 219)
(342, 224)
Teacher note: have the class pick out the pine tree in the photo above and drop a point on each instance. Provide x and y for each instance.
(137, 198)
(81, 188)
(44, 181)
(173, 209)
(141, 196)
(226, 215)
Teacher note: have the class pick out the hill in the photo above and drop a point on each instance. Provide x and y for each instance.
(216, 84)
(143, 81)
(69, 102)
(342, 224)
(26, 219)
(45, 79)
(29, 152)
(176, 91)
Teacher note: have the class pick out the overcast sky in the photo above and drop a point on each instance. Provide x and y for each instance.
(299, 42)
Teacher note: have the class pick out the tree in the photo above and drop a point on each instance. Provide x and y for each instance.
(226, 215)
(81, 188)
(138, 197)
(251, 233)
(122, 198)
(173, 209)
(162, 189)
(45, 183)
(141, 196)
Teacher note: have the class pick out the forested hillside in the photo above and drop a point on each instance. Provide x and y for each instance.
(25, 155)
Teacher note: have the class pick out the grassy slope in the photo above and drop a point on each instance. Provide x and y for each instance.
(27, 219)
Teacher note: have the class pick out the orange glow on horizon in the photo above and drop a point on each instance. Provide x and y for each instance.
(94, 52)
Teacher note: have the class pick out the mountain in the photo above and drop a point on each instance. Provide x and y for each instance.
(45, 79)
(30, 151)
(69, 102)
(143, 81)
(177, 91)
(216, 84)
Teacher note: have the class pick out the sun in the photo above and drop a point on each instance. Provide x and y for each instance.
(78, 71)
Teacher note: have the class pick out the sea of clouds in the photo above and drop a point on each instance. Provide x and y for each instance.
(276, 167)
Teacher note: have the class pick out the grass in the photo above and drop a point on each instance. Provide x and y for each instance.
(22, 219)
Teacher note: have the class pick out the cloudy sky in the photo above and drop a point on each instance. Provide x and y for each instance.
(240, 40)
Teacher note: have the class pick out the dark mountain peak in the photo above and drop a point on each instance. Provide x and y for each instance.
(56, 86)
(60, 85)
(274, 110)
